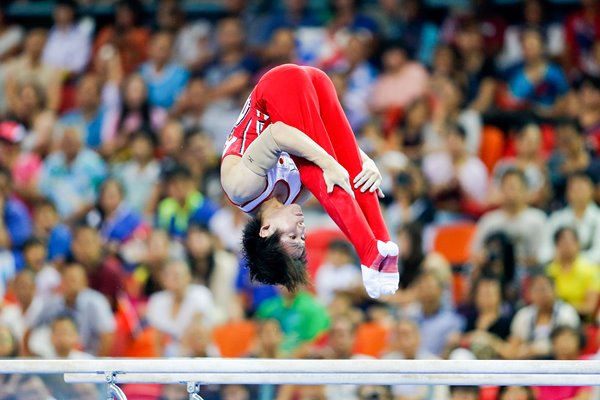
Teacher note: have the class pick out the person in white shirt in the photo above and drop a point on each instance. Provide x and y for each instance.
(68, 47)
(582, 214)
(173, 309)
(65, 338)
(339, 273)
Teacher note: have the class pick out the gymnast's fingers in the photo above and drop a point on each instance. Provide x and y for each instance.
(370, 184)
(361, 179)
(380, 193)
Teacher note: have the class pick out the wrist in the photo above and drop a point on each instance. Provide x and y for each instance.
(325, 162)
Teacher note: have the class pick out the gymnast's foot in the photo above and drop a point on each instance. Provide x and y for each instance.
(389, 277)
(370, 273)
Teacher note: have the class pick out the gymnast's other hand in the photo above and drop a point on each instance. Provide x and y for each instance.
(369, 178)
(334, 174)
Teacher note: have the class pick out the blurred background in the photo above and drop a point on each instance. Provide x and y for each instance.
(116, 239)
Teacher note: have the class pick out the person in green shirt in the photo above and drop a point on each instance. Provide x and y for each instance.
(302, 318)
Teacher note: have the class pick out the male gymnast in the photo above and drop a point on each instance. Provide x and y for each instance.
(292, 137)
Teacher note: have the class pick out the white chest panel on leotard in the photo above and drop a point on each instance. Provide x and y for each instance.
(284, 171)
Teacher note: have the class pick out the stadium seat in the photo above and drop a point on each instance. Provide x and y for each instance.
(371, 339)
(492, 146)
(235, 338)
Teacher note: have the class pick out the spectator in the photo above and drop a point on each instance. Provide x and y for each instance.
(480, 74)
(48, 228)
(165, 80)
(567, 344)
(528, 158)
(15, 224)
(537, 84)
(89, 308)
(436, 322)
(95, 111)
(71, 176)
(457, 178)
(582, 29)
(201, 158)
(68, 47)
(536, 14)
(136, 113)
(125, 36)
(339, 273)
(28, 68)
(47, 277)
(405, 344)
(515, 393)
(411, 202)
(586, 108)
(20, 315)
(269, 340)
(401, 82)
(184, 204)
(104, 271)
(410, 133)
(576, 280)
(190, 106)
(281, 49)
(516, 219)
(570, 155)
(487, 325)
(195, 342)
(531, 327)
(464, 392)
(9, 344)
(212, 267)
(302, 318)
(11, 37)
(368, 392)
(140, 175)
(172, 310)
(582, 214)
(113, 217)
(65, 338)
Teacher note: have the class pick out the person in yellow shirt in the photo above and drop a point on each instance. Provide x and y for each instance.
(577, 281)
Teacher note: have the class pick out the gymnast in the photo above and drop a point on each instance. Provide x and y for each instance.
(291, 138)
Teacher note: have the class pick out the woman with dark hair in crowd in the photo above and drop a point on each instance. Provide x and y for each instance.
(212, 267)
(500, 262)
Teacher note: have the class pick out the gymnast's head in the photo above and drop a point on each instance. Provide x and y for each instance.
(273, 243)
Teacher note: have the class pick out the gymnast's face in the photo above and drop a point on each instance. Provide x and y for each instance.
(289, 221)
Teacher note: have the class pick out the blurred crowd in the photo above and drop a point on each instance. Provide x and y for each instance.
(116, 238)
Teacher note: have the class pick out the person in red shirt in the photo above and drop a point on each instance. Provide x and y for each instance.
(292, 137)
(582, 29)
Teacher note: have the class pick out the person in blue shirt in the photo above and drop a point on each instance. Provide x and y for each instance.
(47, 227)
(15, 223)
(537, 82)
(165, 79)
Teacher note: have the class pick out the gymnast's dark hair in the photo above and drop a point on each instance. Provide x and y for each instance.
(267, 260)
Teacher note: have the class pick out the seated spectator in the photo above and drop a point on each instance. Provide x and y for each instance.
(11, 38)
(269, 340)
(339, 273)
(47, 277)
(68, 47)
(184, 204)
(125, 35)
(302, 318)
(536, 14)
(28, 106)
(516, 393)
(436, 322)
(65, 338)
(456, 177)
(464, 392)
(411, 204)
(136, 114)
(9, 344)
(531, 327)
(172, 310)
(165, 80)
(576, 280)
(104, 271)
(582, 29)
(567, 344)
(29, 68)
(113, 218)
(140, 175)
(170, 142)
(48, 228)
(405, 344)
(15, 226)
(71, 176)
(487, 325)
(95, 111)
(537, 84)
(528, 158)
(480, 75)
(202, 159)
(190, 105)
(521, 223)
(195, 342)
(448, 112)
(281, 49)
(582, 214)
(401, 82)
(212, 267)
(586, 107)
(89, 308)
(409, 135)
(571, 155)
(20, 315)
